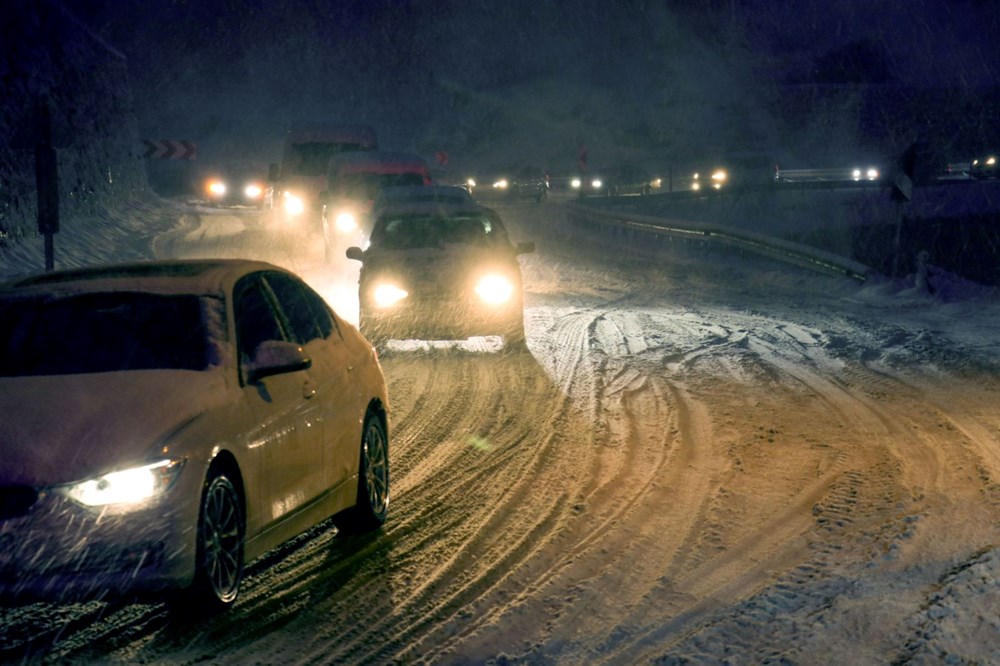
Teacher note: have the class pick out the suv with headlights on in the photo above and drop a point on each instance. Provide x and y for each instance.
(296, 181)
(440, 271)
(353, 181)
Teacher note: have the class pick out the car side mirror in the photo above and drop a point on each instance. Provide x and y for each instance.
(276, 357)
(524, 248)
(273, 171)
(355, 253)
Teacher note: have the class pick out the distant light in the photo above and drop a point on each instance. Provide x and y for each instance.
(293, 204)
(575, 183)
(501, 184)
(217, 188)
(253, 191)
(596, 184)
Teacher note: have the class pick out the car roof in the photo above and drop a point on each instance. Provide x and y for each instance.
(190, 276)
(401, 193)
(441, 208)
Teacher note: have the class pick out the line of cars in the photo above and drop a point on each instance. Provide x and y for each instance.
(164, 423)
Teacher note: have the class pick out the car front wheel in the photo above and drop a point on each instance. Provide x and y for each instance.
(373, 481)
(219, 563)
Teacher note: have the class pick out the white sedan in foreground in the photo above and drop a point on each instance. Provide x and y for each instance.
(163, 423)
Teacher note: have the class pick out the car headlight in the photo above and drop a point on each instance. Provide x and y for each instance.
(294, 205)
(575, 183)
(387, 294)
(495, 289)
(345, 222)
(127, 486)
(872, 174)
(253, 191)
(719, 176)
(990, 161)
(216, 188)
(470, 182)
(501, 184)
(596, 183)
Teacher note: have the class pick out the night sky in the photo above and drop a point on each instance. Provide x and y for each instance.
(469, 76)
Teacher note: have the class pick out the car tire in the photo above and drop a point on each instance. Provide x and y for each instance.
(372, 507)
(219, 554)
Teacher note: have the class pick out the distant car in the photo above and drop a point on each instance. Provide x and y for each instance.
(162, 424)
(513, 184)
(353, 182)
(983, 167)
(630, 180)
(529, 183)
(584, 185)
(392, 196)
(233, 184)
(440, 272)
(736, 171)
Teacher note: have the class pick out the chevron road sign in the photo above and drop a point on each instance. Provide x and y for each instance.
(169, 149)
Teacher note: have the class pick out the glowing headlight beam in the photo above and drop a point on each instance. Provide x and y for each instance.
(293, 204)
(345, 222)
(216, 188)
(495, 289)
(386, 295)
(253, 191)
(128, 486)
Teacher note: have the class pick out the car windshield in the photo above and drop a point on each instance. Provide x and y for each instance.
(312, 158)
(434, 231)
(102, 332)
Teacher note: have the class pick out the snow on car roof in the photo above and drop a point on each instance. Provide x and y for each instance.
(196, 276)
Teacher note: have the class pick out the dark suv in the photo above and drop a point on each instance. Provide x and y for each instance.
(440, 271)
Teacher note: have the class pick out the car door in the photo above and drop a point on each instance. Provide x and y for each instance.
(339, 394)
(285, 408)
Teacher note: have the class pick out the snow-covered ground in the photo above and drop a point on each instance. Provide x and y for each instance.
(704, 459)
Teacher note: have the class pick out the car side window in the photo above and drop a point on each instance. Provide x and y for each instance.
(256, 320)
(297, 301)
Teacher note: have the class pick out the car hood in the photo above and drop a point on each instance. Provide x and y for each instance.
(59, 429)
(449, 260)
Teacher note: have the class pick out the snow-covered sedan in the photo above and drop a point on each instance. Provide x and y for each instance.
(440, 271)
(162, 423)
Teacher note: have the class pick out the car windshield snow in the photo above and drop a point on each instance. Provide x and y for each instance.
(429, 231)
(101, 332)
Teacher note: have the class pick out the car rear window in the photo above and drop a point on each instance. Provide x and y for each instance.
(102, 332)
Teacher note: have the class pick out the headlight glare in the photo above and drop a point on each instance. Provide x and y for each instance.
(345, 222)
(127, 486)
(294, 205)
(495, 289)
(253, 191)
(216, 188)
(501, 184)
(388, 294)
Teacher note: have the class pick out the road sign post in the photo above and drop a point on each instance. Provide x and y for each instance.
(46, 182)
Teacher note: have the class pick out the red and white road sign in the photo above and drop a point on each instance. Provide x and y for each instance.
(169, 149)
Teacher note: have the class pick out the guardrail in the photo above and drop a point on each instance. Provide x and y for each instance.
(623, 224)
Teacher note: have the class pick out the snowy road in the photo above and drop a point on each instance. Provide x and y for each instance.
(702, 459)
